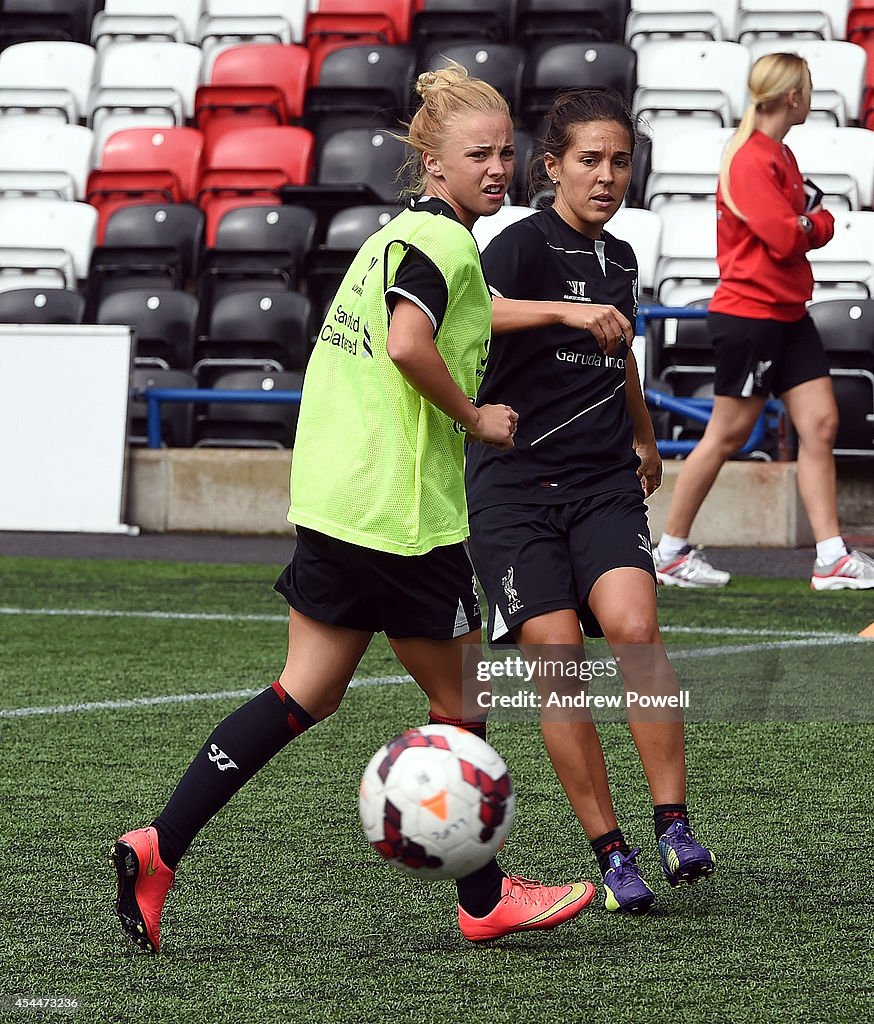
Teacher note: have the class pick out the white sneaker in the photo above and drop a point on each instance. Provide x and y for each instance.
(852, 571)
(689, 568)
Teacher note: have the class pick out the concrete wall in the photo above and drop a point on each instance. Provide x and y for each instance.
(246, 491)
(209, 490)
(752, 504)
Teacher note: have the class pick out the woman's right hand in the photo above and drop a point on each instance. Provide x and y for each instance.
(495, 425)
(605, 323)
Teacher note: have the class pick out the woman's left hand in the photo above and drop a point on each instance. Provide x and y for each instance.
(650, 470)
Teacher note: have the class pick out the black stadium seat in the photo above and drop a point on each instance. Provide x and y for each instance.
(25, 20)
(847, 330)
(250, 424)
(553, 66)
(256, 247)
(361, 79)
(153, 245)
(360, 156)
(177, 418)
(164, 320)
(41, 306)
(462, 19)
(499, 64)
(255, 328)
(602, 20)
(346, 231)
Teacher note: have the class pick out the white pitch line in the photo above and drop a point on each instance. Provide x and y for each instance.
(113, 613)
(174, 698)
(190, 698)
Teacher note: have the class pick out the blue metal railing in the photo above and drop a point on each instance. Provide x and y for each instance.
(155, 396)
(697, 409)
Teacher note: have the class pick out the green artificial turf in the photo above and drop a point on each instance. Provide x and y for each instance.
(281, 912)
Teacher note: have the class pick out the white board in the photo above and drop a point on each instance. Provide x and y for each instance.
(63, 427)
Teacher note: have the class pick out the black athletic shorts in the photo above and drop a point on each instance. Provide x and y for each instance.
(533, 559)
(432, 596)
(764, 357)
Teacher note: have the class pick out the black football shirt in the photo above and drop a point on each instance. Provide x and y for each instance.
(574, 436)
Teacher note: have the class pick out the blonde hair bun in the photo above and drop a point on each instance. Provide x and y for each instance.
(430, 82)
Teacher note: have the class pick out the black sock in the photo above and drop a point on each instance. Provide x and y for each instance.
(238, 747)
(476, 726)
(610, 842)
(480, 892)
(664, 815)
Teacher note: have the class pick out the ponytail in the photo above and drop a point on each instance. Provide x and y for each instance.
(771, 77)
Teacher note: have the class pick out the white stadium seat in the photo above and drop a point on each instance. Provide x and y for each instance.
(660, 19)
(839, 160)
(838, 72)
(844, 268)
(172, 21)
(44, 156)
(486, 228)
(144, 84)
(45, 242)
(686, 164)
(642, 229)
(795, 19)
(262, 21)
(685, 82)
(47, 77)
(687, 268)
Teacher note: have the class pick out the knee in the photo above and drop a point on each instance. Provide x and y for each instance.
(728, 442)
(634, 632)
(821, 433)
(325, 707)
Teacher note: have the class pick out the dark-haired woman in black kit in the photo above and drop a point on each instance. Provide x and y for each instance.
(559, 533)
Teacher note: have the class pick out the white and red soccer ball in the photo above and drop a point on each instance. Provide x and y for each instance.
(437, 802)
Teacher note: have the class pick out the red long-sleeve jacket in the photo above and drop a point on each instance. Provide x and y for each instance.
(763, 268)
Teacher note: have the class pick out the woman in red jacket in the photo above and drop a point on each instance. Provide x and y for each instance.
(764, 340)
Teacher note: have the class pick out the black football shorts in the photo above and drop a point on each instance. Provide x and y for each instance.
(533, 559)
(764, 357)
(432, 596)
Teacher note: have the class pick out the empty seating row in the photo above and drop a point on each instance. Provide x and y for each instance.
(273, 248)
(324, 23)
(682, 364)
(314, 22)
(212, 423)
(173, 84)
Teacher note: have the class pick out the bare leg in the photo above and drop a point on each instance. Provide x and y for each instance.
(624, 602)
(436, 667)
(320, 663)
(814, 414)
(728, 429)
(573, 746)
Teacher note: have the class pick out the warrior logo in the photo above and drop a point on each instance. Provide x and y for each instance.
(762, 368)
(513, 602)
(220, 759)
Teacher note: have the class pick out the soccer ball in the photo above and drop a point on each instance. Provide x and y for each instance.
(437, 802)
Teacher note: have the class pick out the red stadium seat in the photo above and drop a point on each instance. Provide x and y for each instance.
(343, 15)
(250, 86)
(339, 23)
(142, 165)
(249, 166)
(860, 30)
